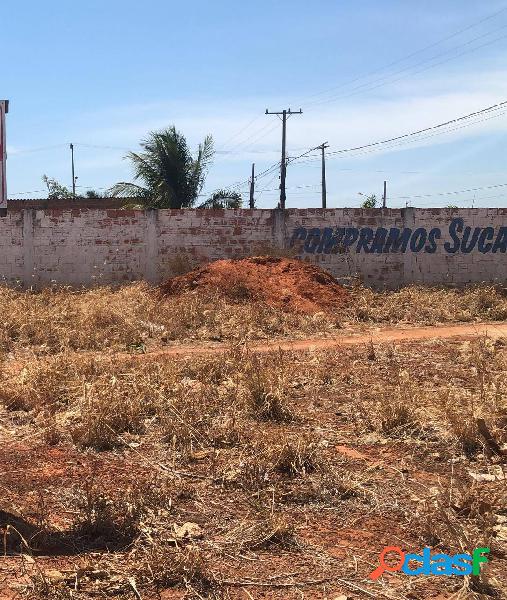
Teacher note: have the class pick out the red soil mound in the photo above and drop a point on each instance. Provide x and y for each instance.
(284, 283)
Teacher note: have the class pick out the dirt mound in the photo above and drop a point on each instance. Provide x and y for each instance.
(284, 283)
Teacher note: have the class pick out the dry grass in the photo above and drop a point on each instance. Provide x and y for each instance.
(427, 306)
(296, 458)
(268, 390)
(295, 467)
(195, 405)
(161, 568)
(134, 316)
(455, 517)
(101, 519)
(263, 532)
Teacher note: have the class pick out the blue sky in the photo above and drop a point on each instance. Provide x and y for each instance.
(103, 74)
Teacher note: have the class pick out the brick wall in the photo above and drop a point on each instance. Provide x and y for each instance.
(386, 248)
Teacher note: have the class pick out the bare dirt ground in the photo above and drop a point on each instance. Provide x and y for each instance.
(492, 330)
(240, 475)
(208, 441)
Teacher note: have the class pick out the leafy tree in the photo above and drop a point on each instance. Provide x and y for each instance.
(92, 194)
(370, 202)
(55, 189)
(171, 176)
(223, 199)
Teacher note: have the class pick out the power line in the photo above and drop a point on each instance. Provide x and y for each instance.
(431, 66)
(294, 187)
(255, 137)
(407, 57)
(487, 110)
(403, 59)
(382, 81)
(243, 129)
(432, 135)
(45, 191)
(402, 139)
(313, 159)
(494, 107)
(452, 193)
(25, 193)
(40, 149)
(102, 147)
(269, 183)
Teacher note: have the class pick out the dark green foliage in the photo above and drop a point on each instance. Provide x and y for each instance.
(171, 176)
(223, 199)
(370, 202)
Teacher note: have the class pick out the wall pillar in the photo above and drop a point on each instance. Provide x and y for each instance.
(408, 257)
(28, 248)
(151, 240)
(279, 228)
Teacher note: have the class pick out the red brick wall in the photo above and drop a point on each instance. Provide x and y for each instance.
(84, 247)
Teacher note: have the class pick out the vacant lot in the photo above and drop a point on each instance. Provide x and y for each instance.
(137, 317)
(240, 474)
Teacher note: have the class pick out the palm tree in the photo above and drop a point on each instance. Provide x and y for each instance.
(171, 176)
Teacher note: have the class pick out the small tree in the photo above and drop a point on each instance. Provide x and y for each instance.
(92, 194)
(55, 189)
(370, 202)
(223, 199)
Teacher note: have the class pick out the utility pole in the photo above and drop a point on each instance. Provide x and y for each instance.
(252, 188)
(283, 166)
(324, 189)
(73, 176)
(384, 197)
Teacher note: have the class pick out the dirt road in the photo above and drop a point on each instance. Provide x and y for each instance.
(493, 330)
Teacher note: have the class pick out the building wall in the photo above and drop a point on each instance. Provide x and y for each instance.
(386, 248)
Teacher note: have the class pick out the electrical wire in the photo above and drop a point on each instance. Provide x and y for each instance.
(256, 137)
(261, 192)
(429, 67)
(388, 143)
(384, 81)
(41, 149)
(484, 111)
(387, 80)
(45, 190)
(403, 139)
(263, 133)
(451, 193)
(393, 146)
(411, 55)
(242, 130)
(100, 147)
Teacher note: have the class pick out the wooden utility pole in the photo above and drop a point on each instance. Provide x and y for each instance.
(73, 175)
(324, 189)
(283, 166)
(252, 188)
(384, 197)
